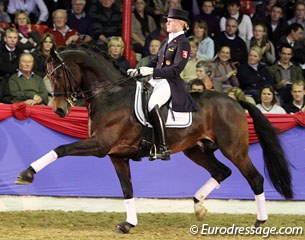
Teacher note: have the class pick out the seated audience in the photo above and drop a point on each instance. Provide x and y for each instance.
(141, 26)
(223, 71)
(203, 73)
(253, 75)
(153, 50)
(4, 17)
(267, 101)
(260, 39)
(189, 71)
(26, 86)
(196, 86)
(79, 20)
(285, 73)
(297, 103)
(28, 38)
(116, 52)
(63, 34)
(299, 15)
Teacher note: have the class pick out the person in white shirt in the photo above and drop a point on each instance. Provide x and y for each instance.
(268, 103)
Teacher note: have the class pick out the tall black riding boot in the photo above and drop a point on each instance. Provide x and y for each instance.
(161, 151)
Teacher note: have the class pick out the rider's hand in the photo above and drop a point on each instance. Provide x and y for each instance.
(132, 72)
(145, 71)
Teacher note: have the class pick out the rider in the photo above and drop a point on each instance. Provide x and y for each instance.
(165, 70)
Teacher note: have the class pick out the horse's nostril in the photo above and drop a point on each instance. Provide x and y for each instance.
(60, 112)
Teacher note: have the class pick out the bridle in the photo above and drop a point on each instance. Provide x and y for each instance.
(69, 91)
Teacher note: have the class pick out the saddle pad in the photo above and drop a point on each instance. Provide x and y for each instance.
(174, 119)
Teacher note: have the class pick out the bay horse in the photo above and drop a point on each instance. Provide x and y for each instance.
(114, 130)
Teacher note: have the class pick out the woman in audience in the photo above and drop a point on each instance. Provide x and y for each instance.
(253, 75)
(206, 44)
(142, 26)
(116, 51)
(223, 71)
(268, 102)
(260, 39)
(203, 73)
(28, 38)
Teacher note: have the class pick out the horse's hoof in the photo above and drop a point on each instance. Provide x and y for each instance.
(200, 211)
(123, 228)
(25, 177)
(259, 223)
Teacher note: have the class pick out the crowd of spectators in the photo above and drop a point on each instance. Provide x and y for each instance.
(259, 50)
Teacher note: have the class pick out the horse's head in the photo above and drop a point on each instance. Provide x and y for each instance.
(64, 82)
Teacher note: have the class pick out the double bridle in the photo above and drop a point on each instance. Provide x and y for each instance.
(69, 91)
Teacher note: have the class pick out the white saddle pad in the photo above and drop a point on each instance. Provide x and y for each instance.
(174, 119)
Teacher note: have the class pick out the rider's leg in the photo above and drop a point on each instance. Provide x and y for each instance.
(160, 96)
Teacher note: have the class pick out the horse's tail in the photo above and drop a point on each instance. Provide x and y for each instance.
(274, 156)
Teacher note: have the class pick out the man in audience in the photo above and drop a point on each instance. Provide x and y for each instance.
(285, 73)
(196, 86)
(26, 86)
(297, 104)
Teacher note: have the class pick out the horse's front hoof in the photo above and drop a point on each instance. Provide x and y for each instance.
(25, 177)
(123, 228)
(259, 223)
(200, 211)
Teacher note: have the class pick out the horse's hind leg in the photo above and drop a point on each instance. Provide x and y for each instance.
(218, 171)
(122, 168)
(86, 147)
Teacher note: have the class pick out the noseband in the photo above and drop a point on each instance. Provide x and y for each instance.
(69, 92)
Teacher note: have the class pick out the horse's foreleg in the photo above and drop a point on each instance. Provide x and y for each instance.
(87, 147)
(122, 168)
(218, 171)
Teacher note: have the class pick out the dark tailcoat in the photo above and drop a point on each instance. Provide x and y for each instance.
(170, 62)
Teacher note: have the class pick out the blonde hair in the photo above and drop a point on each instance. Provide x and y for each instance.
(258, 50)
(238, 93)
(22, 13)
(116, 40)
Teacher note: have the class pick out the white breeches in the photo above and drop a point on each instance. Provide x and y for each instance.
(161, 93)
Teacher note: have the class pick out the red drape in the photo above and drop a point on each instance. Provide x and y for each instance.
(75, 124)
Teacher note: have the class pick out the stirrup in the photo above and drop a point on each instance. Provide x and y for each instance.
(161, 152)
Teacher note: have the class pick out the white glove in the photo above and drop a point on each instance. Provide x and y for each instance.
(145, 71)
(132, 72)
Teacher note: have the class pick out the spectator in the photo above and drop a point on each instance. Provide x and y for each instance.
(61, 31)
(79, 20)
(243, 20)
(253, 75)
(206, 44)
(223, 71)
(4, 17)
(53, 5)
(25, 85)
(299, 15)
(207, 15)
(28, 38)
(153, 50)
(160, 33)
(189, 71)
(156, 9)
(285, 73)
(267, 101)
(142, 26)
(276, 24)
(260, 39)
(30, 7)
(196, 86)
(42, 52)
(262, 11)
(297, 104)
(106, 22)
(9, 53)
(203, 73)
(230, 38)
(172, 4)
(237, 94)
(116, 51)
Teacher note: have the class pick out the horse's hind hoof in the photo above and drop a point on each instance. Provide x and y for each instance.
(259, 223)
(200, 211)
(25, 177)
(123, 228)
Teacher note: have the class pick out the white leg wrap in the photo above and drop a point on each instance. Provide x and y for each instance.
(44, 161)
(206, 189)
(261, 207)
(131, 211)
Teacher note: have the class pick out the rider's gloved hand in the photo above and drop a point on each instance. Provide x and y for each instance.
(145, 71)
(132, 72)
